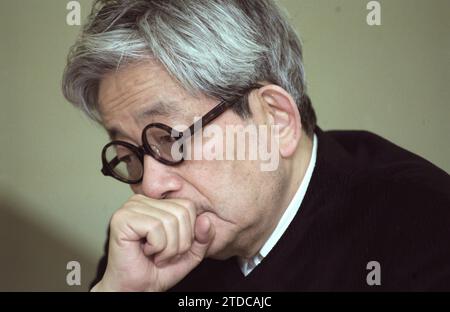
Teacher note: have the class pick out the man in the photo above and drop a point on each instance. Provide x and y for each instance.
(342, 210)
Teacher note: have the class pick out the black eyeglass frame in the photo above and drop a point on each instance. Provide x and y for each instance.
(145, 148)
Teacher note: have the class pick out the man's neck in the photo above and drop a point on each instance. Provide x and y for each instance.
(295, 170)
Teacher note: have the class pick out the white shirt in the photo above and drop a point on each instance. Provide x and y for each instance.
(247, 265)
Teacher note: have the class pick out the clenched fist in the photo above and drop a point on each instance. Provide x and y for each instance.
(154, 244)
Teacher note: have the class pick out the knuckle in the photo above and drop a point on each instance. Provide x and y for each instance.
(157, 235)
(185, 246)
(186, 212)
(129, 205)
(156, 226)
(117, 218)
(182, 214)
(171, 221)
(185, 203)
(189, 205)
(136, 197)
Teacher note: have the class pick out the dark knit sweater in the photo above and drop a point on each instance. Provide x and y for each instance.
(368, 200)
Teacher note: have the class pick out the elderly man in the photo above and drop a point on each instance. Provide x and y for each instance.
(340, 210)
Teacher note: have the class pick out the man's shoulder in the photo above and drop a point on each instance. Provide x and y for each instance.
(377, 157)
(378, 164)
(389, 185)
(398, 205)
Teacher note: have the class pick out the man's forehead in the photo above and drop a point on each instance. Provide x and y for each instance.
(131, 83)
(140, 93)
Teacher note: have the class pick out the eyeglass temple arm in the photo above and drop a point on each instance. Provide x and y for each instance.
(210, 116)
(112, 164)
(213, 114)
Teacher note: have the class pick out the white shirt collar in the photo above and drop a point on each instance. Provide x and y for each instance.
(247, 265)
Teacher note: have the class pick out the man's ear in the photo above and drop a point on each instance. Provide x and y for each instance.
(280, 110)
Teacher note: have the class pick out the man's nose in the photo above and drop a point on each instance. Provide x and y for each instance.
(159, 180)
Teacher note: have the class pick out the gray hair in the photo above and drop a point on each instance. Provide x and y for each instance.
(215, 47)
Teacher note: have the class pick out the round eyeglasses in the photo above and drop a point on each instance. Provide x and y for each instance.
(124, 161)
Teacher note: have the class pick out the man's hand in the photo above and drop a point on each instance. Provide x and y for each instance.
(153, 244)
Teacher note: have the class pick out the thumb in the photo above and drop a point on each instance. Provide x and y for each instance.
(204, 235)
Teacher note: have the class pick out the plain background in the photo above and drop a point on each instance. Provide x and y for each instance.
(55, 205)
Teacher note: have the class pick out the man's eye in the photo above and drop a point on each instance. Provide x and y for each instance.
(166, 139)
(125, 158)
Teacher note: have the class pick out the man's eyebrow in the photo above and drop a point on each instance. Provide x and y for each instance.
(114, 133)
(160, 109)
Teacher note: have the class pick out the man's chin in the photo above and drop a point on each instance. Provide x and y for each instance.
(221, 247)
(221, 255)
(219, 250)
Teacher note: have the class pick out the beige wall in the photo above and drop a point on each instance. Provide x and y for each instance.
(392, 79)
